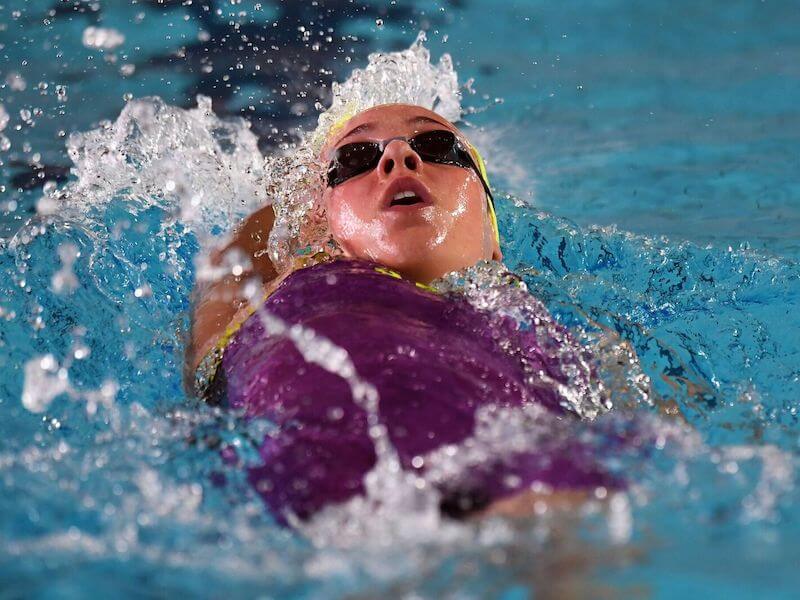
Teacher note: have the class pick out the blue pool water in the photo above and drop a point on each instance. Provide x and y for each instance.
(648, 157)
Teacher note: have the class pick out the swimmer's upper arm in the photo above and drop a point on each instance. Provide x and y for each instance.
(221, 303)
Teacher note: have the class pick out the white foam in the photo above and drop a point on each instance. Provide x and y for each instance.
(204, 170)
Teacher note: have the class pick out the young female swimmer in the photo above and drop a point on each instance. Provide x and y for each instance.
(407, 201)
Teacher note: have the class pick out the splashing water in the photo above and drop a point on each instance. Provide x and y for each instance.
(152, 187)
(104, 38)
(386, 482)
(117, 465)
(295, 181)
(489, 286)
(5, 143)
(205, 172)
(3, 117)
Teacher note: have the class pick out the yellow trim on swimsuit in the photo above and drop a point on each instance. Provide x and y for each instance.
(396, 275)
(389, 272)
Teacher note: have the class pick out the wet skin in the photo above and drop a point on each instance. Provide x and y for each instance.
(446, 230)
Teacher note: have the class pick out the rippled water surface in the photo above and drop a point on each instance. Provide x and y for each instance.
(646, 163)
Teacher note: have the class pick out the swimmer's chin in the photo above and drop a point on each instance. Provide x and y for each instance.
(422, 269)
(416, 254)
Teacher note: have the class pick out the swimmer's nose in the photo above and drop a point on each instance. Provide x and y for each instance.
(398, 155)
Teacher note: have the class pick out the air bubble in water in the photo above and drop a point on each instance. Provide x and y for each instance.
(3, 117)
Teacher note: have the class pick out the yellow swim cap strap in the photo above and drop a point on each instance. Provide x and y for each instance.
(489, 200)
(342, 119)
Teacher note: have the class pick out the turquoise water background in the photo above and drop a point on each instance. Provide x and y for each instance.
(653, 150)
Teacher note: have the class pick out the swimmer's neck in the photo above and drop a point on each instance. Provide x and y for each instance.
(422, 272)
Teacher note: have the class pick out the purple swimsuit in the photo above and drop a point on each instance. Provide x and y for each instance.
(433, 359)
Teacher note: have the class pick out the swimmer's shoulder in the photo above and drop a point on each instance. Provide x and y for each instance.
(232, 305)
(219, 303)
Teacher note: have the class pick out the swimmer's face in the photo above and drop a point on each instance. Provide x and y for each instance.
(445, 226)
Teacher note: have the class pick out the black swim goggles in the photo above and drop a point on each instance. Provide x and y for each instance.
(437, 146)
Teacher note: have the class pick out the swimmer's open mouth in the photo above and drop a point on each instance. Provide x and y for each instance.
(406, 191)
(405, 199)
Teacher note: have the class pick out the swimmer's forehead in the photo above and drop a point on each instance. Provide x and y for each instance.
(410, 121)
(398, 119)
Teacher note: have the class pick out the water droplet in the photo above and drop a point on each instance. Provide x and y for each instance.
(16, 82)
(102, 38)
(143, 291)
(64, 280)
(43, 382)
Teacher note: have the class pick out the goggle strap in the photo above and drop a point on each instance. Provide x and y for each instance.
(481, 168)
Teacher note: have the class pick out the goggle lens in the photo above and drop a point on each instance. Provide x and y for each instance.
(438, 146)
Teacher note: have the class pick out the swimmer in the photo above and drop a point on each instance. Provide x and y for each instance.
(407, 201)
